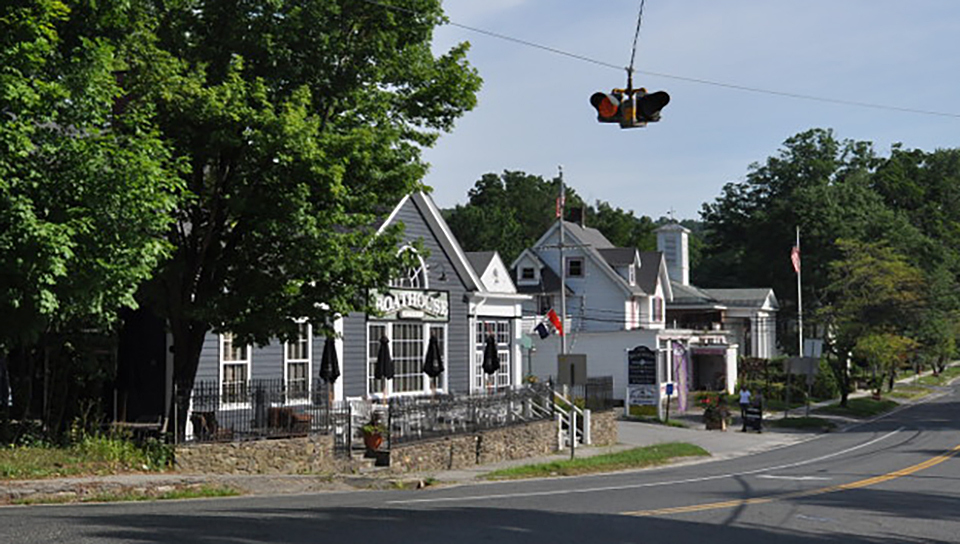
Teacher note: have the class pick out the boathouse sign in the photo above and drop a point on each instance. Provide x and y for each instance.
(394, 304)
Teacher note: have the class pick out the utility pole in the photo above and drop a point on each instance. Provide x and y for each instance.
(561, 203)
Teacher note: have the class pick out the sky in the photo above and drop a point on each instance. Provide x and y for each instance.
(534, 115)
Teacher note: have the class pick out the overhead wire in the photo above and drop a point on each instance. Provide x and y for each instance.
(687, 79)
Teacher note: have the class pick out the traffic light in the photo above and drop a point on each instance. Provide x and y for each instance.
(608, 106)
(631, 107)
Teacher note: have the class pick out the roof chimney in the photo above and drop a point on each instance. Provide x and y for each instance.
(577, 215)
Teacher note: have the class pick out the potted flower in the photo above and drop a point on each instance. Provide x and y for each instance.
(374, 431)
(716, 415)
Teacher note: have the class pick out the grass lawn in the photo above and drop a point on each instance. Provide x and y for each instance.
(903, 391)
(944, 377)
(634, 458)
(860, 407)
(806, 423)
(91, 456)
(775, 405)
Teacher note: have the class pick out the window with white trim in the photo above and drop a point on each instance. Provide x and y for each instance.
(502, 378)
(234, 370)
(633, 275)
(408, 349)
(414, 277)
(575, 267)
(526, 273)
(374, 334)
(440, 331)
(657, 310)
(297, 364)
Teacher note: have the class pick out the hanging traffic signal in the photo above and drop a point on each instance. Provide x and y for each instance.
(631, 108)
(649, 105)
(608, 106)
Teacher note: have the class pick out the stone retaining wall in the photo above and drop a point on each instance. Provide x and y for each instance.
(603, 427)
(314, 453)
(309, 454)
(453, 452)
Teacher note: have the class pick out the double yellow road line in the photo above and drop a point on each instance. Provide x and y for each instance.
(800, 494)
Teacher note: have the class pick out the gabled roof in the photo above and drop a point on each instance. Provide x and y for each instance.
(480, 260)
(588, 236)
(618, 256)
(444, 236)
(746, 298)
(689, 295)
(590, 241)
(651, 266)
(549, 282)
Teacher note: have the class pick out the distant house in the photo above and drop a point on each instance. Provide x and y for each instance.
(620, 299)
(608, 288)
(749, 315)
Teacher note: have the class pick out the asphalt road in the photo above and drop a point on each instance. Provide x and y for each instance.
(893, 480)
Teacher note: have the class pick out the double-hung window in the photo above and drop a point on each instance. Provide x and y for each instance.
(297, 364)
(501, 333)
(234, 370)
(575, 267)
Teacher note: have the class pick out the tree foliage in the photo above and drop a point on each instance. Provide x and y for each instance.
(85, 196)
(509, 212)
(301, 124)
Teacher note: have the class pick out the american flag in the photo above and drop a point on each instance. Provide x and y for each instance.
(561, 201)
(795, 258)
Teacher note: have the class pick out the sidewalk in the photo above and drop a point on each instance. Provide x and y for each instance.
(720, 445)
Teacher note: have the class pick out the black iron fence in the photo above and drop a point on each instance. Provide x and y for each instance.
(596, 394)
(263, 409)
(420, 418)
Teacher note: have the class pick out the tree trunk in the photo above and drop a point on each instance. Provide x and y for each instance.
(187, 344)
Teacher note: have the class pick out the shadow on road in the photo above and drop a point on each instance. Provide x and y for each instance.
(210, 524)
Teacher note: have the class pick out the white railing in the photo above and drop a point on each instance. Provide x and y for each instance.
(567, 414)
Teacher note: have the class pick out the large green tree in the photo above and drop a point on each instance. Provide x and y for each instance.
(874, 301)
(84, 193)
(510, 211)
(301, 124)
(816, 182)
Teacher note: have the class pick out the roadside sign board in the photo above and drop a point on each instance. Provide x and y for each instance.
(641, 366)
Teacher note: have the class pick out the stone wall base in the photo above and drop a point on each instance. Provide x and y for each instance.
(305, 455)
(453, 452)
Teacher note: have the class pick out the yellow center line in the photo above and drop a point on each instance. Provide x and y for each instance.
(799, 494)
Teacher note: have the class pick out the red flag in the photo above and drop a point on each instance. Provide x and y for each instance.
(795, 258)
(555, 320)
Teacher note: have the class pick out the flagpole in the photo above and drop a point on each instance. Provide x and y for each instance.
(563, 268)
(799, 301)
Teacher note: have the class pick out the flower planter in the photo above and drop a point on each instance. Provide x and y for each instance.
(372, 441)
(716, 425)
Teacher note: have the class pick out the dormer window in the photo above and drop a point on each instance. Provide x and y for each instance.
(526, 273)
(575, 267)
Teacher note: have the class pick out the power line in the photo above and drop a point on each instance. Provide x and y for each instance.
(687, 79)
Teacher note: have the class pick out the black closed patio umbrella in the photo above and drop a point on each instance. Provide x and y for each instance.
(491, 360)
(329, 364)
(384, 367)
(433, 363)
